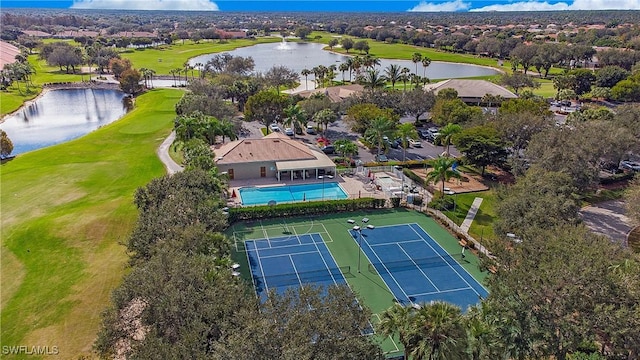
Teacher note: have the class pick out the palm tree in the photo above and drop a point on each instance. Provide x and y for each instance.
(372, 79)
(295, 117)
(404, 76)
(346, 148)
(446, 134)
(416, 58)
(306, 73)
(405, 132)
(440, 331)
(349, 63)
(343, 67)
(325, 116)
(173, 73)
(482, 334)
(441, 170)
(378, 129)
(227, 129)
(425, 63)
(398, 319)
(393, 73)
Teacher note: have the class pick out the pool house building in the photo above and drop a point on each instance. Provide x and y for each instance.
(273, 156)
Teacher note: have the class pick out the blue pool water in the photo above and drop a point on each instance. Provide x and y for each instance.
(292, 193)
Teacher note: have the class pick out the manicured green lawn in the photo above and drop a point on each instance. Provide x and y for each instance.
(66, 210)
(166, 58)
(482, 225)
(546, 88)
(403, 51)
(12, 99)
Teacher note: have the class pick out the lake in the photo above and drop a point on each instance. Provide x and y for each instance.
(62, 115)
(299, 56)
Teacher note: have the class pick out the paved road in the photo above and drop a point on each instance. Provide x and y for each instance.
(608, 218)
(163, 153)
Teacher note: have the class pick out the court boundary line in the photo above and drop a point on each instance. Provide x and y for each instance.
(454, 269)
(398, 242)
(298, 253)
(280, 247)
(315, 244)
(389, 336)
(443, 291)
(253, 279)
(382, 263)
(327, 232)
(293, 263)
(419, 268)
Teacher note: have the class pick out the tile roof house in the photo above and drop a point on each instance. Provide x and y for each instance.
(335, 93)
(8, 53)
(275, 155)
(471, 91)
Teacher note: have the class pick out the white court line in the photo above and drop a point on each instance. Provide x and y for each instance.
(327, 265)
(381, 263)
(326, 232)
(397, 242)
(298, 253)
(253, 280)
(264, 276)
(389, 336)
(442, 291)
(279, 247)
(294, 231)
(296, 271)
(419, 268)
(452, 268)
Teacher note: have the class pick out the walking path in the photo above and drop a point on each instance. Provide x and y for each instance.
(163, 153)
(473, 210)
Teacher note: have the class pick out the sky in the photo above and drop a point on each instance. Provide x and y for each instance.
(331, 5)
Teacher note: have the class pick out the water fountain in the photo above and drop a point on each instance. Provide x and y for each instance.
(283, 45)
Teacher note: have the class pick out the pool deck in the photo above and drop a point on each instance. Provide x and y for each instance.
(354, 187)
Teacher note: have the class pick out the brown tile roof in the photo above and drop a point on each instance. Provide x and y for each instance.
(8, 53)
(467, 88)
(274, 147)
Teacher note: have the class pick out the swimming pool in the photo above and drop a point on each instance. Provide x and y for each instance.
(291, 193)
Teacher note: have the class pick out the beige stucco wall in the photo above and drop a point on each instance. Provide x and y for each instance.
(245, 171)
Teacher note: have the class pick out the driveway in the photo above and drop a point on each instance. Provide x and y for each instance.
(608, 218)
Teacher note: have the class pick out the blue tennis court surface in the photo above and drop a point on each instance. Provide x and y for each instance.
(416, 268)
(291, 261)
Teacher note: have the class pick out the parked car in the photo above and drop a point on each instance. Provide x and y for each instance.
(328, 149)
(274, 127)
(311, 130)
(415, 143)
(382, 158)
(630, 165)
(288, 131)
(423, 133)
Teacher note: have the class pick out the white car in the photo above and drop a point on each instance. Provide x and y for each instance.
(274, 127)
(288, 131)
(415, 143)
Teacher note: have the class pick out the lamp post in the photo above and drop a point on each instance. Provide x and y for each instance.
(322, 177)
(358, 229)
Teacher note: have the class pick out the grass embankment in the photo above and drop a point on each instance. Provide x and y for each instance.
(165, 58)
(16, 95)
(405, 52)
(482, 225)
(65, 212)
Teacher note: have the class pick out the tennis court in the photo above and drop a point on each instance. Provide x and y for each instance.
(290, 261)
(287, 253)
(416, 268)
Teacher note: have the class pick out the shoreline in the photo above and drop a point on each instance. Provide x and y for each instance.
(64, 86)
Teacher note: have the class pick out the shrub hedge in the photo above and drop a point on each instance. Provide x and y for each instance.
(303, 209)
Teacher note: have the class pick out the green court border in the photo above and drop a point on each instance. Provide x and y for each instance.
(370, 287)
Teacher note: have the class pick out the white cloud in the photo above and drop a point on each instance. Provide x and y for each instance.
(456, 5)
(192, 5)
(575, 5)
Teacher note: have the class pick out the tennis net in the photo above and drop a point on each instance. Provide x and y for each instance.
(422, 263)
(304, 277)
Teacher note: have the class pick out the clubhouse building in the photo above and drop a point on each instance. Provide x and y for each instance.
(273, 156)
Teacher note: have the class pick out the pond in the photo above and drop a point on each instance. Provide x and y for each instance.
(62, 115)
(299, 56)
